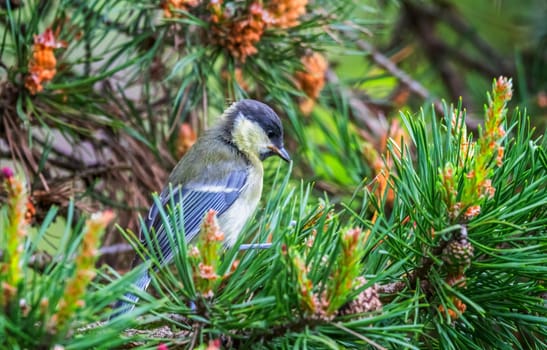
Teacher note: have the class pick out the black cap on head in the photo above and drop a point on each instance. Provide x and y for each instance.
(266, 118)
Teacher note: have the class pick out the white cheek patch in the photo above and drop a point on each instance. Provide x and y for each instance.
(250, 137)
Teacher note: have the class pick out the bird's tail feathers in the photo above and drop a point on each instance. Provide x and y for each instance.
(130, 300)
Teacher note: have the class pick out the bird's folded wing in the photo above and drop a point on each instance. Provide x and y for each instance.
(197, 198)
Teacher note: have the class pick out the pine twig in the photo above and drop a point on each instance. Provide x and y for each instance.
(391, 290)
(381, 60)
(446, 12)
(360, 336)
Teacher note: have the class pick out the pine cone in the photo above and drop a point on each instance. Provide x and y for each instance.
(367, 301)
(458, 255)
(240, 35)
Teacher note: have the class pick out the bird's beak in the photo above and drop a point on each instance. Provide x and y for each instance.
(281, 152)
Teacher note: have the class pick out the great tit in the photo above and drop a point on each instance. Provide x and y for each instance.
(221, 171)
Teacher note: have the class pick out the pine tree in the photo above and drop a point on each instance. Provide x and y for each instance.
(424, 232)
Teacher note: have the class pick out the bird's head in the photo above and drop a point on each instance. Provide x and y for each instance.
(255, 129)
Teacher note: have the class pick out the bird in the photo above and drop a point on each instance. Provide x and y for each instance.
(223, 172)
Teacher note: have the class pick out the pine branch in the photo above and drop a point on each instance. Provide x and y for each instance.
(448, 13)
(384, 62)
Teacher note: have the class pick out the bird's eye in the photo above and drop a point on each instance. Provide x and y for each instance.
(270, 133)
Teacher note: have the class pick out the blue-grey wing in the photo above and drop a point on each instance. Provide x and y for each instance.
(196, 199)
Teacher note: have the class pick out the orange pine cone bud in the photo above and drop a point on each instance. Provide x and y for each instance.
(312, 79)
(240, 35)
(43, 57)
(454, 314)
(306, 106)
(472, 211)
(286, 13)
(460, 305)
(486, 189)
(33, 84)
(186, 139)
(210, 228)
(43, 62)
(31, 211)
(207, 272)
(499, 156)
(451, 313)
